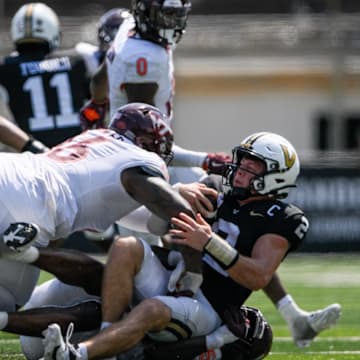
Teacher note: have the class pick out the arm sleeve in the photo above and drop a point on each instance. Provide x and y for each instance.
(184, 157)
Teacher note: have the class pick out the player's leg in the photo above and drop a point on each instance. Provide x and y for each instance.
(70, 266)
(303, 325)
(68, 304)
(163, 318)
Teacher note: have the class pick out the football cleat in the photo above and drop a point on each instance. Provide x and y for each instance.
(306, 327)
(56, 347)
(20, 236)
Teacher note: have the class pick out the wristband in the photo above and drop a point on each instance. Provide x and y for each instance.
(34, 146)
(222, 252)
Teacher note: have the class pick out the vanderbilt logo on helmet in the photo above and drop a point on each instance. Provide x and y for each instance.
(289, 159)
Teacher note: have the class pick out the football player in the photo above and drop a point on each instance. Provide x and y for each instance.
(43, 87)
(87, 182)
(107, 27)
(139, 67)
(142, 67)
(252, 232)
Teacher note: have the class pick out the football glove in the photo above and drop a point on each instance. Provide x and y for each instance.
(92, 114)
(34, 146)
(214, 162)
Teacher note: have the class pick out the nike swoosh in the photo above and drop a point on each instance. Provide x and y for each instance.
(253, 213)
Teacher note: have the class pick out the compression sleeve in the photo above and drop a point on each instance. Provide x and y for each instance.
(184, 157)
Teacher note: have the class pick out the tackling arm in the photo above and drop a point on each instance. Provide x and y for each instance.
(99, 84)
(165, 202)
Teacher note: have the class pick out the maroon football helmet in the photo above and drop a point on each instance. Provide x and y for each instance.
(146, 126)
(161, 21)
(109, 24)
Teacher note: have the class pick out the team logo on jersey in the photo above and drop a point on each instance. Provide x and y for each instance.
(253, 213)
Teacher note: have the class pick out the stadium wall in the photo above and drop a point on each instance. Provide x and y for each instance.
(214, 112)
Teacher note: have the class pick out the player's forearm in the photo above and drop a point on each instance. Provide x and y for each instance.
(99, 84)
(11, 135)
(185, 157)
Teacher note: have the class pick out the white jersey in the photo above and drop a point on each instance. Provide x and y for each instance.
(73, 187)
(140, 61)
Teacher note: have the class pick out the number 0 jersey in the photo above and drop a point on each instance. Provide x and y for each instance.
(75, 186)
(135, 60)
(241, 226)
(45, 94)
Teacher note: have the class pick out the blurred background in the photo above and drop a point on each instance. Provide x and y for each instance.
(290, 67)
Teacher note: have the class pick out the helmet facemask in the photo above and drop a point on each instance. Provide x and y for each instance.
(281, 161)
(256, 184)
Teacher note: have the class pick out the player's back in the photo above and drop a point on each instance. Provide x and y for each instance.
(139, 61)
(92, 164)
(46, 93)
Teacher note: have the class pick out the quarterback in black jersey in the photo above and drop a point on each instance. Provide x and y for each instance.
(43, 89)
(253, 229)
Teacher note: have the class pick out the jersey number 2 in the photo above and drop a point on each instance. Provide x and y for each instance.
(41, 120)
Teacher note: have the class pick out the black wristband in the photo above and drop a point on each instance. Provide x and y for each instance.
(222, 252)
(32, 145)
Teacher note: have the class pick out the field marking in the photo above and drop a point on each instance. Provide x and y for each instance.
(345, 352)
(319, 339)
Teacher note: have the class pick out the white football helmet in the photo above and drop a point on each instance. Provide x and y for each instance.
(282, 165)
(36, 22)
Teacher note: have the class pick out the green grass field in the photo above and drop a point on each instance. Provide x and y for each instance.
(315, 281)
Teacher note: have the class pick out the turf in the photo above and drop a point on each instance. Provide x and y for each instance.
(315, 281)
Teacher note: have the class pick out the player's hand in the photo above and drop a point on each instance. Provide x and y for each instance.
(201, 198)
(92, 114)
(214, 162)
(194, 233)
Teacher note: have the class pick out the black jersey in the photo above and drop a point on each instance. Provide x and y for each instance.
(241, 226)
(46, 93)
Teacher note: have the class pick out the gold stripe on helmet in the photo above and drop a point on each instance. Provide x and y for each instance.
(251, 139)
(28, 20)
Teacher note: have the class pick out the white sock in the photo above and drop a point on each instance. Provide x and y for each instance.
(288, 308)
(220, 337)
(4, 318)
